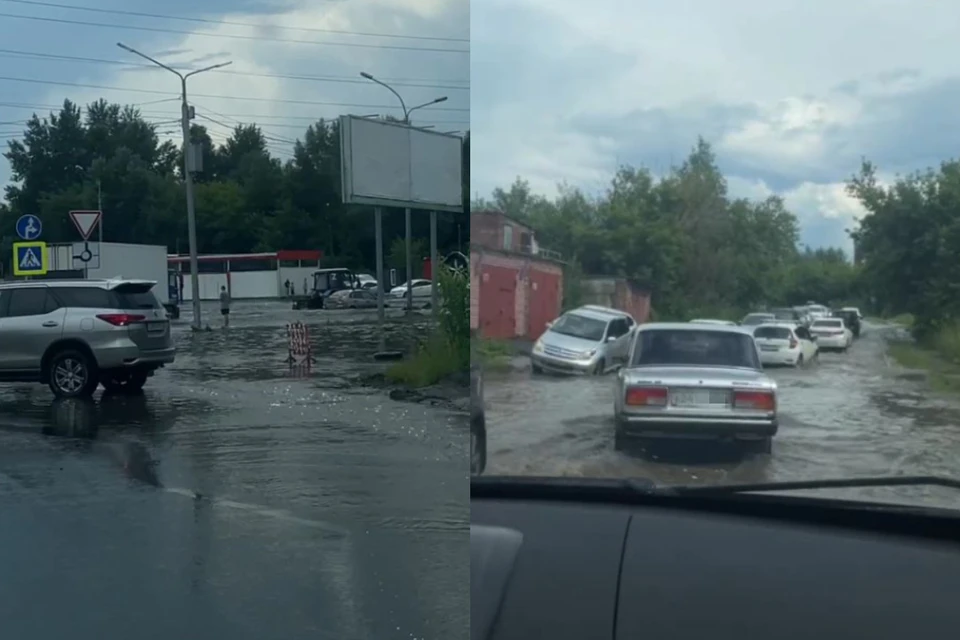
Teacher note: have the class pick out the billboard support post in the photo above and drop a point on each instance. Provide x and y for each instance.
(408, 230)
(434, 268)
(394, 164)
(378, 224)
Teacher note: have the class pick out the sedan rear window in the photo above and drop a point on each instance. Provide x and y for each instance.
(757, 318)
(829, 324)
(772, 333)
(695, 348)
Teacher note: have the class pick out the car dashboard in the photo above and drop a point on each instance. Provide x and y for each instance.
(573, 564)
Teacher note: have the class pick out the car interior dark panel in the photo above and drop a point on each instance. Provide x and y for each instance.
(685, 573)
(723, 566)
(493, 555)
(564, 583)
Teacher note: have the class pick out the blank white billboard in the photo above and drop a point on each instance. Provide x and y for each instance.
(390, 164)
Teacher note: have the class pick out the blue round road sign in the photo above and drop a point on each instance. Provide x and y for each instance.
(29, 227)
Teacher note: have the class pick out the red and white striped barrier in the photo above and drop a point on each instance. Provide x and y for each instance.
(299, 350)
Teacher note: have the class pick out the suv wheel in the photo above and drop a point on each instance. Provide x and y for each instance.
(72, 374)
(123, 381)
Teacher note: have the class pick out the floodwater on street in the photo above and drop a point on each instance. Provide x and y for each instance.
(236, 498)
(850, 415)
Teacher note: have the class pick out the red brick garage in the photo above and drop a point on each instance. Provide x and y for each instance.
(511, 295)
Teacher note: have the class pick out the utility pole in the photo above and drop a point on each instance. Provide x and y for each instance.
(185, 117)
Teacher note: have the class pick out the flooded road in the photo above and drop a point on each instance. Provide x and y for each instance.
(235, 498)
(853, 414)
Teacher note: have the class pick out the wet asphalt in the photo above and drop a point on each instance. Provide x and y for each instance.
(236, 498)
(849, 415)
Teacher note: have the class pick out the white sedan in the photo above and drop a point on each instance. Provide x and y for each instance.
(832, 333)
(785, 344)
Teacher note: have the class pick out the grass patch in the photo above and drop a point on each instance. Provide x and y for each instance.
(904, 320)
(433, 362)
(941, 365)
(493, 354)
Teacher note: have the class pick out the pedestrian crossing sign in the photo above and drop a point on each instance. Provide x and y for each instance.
(30, 259)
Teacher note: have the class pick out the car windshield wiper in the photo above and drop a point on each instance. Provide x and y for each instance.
(799, 485)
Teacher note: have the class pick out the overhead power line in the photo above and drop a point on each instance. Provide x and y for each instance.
(230, 36)
(161, 16)
(216, 97)
(244, 118)
(336, 79)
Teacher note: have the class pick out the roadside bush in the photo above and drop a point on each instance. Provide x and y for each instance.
(447, 350)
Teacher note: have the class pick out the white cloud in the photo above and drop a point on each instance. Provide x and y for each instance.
(791, 93)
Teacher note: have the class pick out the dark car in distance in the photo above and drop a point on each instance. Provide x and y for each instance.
(851, 319)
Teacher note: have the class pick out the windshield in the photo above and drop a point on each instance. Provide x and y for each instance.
(683, 172)
(230, 453)
(694, 347)
(579, 326)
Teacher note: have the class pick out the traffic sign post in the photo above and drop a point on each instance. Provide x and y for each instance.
(85, 222)
(87, 254)
(30, 259)
(29, 227)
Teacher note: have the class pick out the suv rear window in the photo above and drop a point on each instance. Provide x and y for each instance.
(84, 297)
(136, 296)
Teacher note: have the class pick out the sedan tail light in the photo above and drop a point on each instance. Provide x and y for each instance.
(646, 396)
(793, 342)
(122, 319)
(758, 400)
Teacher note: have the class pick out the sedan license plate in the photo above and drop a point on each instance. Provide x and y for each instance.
(769, 347)
(699, 398)
(156, 327)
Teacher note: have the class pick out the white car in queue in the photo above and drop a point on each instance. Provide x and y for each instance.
(785, 343)
(724, 323)
(695, 381)
(586, 340)
(832, 333)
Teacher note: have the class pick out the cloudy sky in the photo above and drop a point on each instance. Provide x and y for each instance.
(293, 61)
(791, 93)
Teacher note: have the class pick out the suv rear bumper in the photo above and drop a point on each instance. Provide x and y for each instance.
(132, 356)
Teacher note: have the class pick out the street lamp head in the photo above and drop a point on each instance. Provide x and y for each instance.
(364, 74)
(440, 99)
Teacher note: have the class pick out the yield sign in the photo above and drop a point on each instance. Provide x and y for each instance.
(85, 222)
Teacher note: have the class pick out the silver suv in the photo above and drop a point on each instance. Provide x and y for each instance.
(76, 334)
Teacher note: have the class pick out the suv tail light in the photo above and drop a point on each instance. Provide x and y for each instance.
(758, 400)
(122, 319)
(646, 396)
(793, 342)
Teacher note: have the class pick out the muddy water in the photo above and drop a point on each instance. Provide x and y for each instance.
(237, 497)
(853, 414)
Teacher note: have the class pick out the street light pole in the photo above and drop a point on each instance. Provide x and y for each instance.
(407, 222)
(187, 175)
(403, 105)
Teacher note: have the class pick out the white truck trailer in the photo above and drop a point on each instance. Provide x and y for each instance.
(112, 259)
